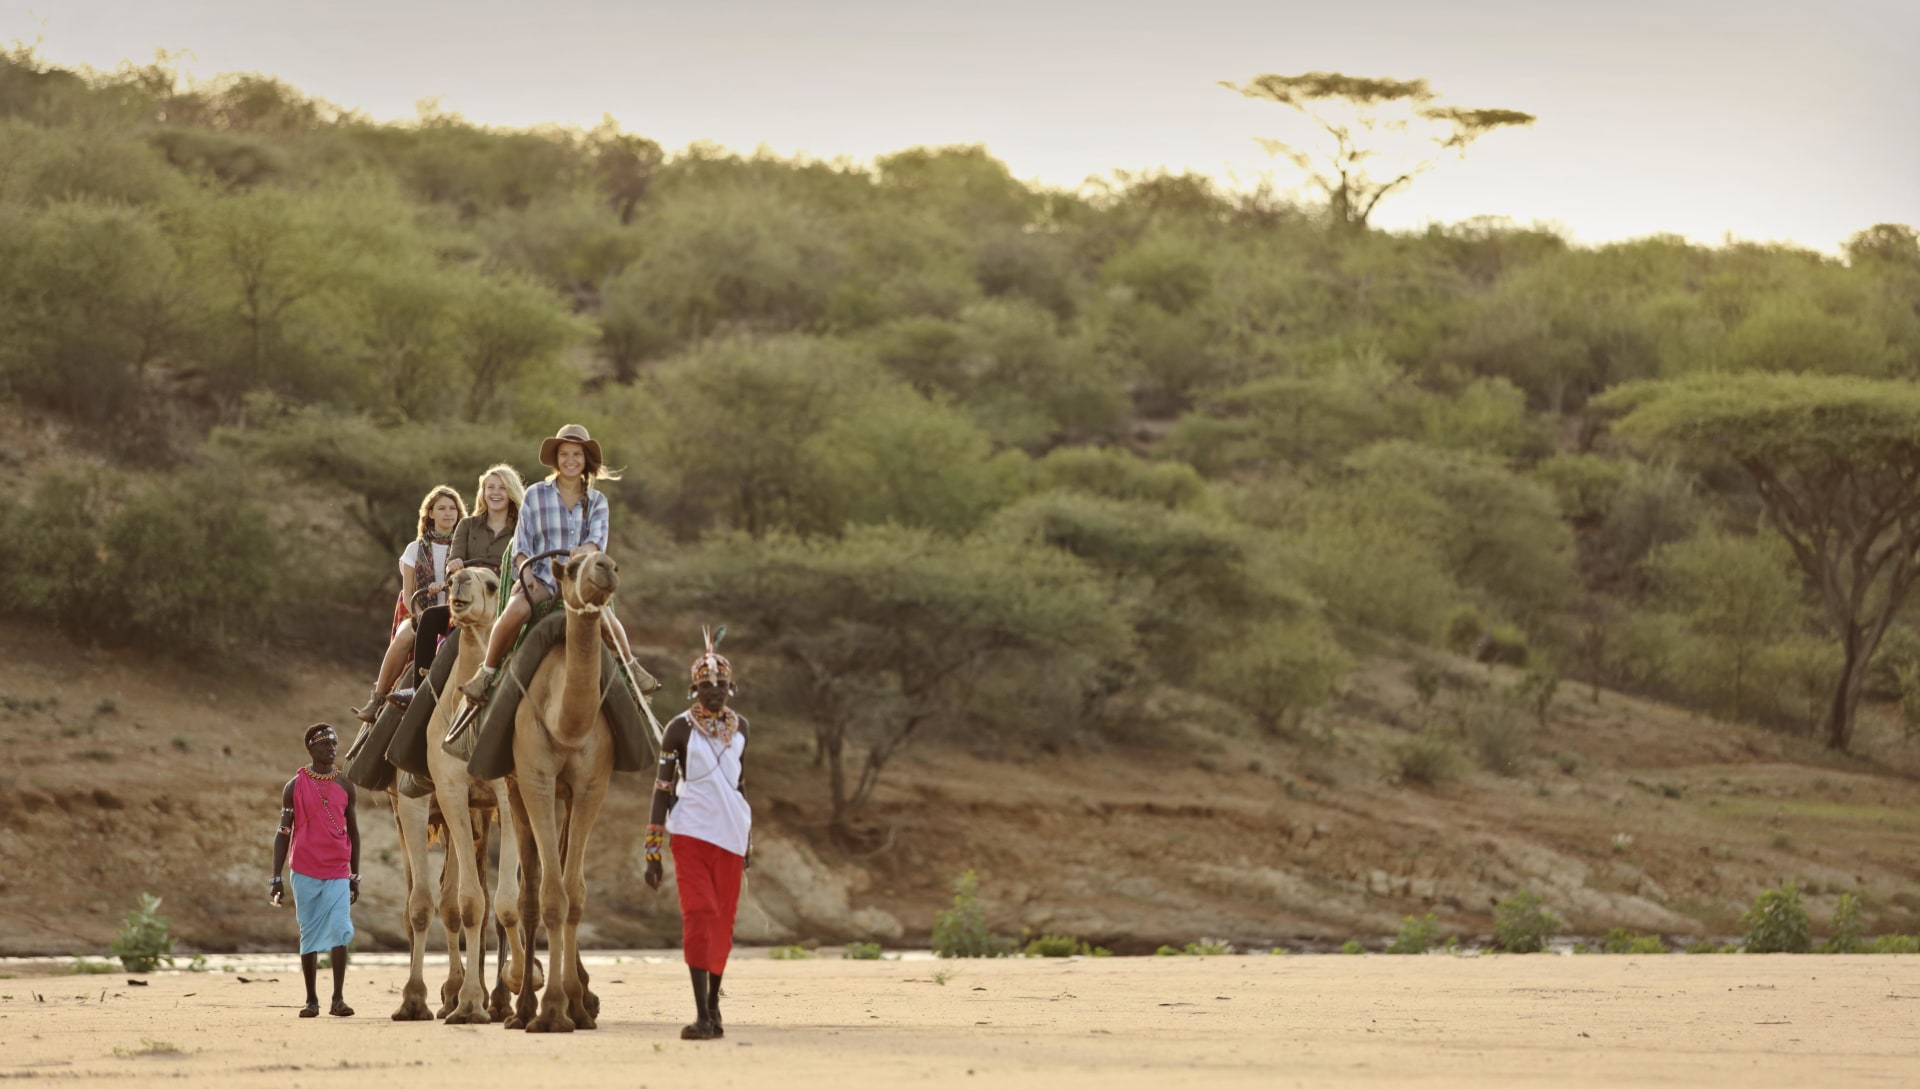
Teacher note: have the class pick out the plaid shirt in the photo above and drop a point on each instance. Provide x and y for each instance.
(546, 525)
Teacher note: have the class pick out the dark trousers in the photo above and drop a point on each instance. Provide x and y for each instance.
(435, 621)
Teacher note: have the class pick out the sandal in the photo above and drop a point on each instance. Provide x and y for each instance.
(699, 1030)
(311, 1009)
(341, 1009)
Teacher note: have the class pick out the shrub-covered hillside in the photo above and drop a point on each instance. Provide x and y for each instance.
(937, 445)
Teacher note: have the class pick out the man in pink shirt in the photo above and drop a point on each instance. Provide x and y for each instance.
(320, 824)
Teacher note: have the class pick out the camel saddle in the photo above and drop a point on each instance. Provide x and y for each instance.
(370, 769)
(493, 733)
(407, 749)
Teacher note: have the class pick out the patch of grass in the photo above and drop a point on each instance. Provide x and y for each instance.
(149, 1048)
(1896, 943)
(940, 977)
(861, 951)
(791, 952)
(1053, 945)
(1425, 759)
(92, 968)
(1416, 935)
(1621, 941)
(1353, 948)
(1522, 924)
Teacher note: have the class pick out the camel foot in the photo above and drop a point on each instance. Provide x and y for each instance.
(311, 1009)
(413, 1008)
(500, 1006)
(592, 1002)
(513, 1023)
(551, 1022)
(582, 1019)
(469, 1017)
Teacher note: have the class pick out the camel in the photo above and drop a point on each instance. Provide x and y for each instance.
(471, 598)
(563, 762)
(465, 812)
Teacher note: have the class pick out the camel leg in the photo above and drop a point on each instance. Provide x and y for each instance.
(449, 903)
(410, 815)
(587, 998)
(543, 814)
(585, 810)
(469, 903)
(528, 907)
(506, 911)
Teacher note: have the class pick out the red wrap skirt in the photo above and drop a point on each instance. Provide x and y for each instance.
(709, 882)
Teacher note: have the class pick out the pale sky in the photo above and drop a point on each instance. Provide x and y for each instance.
(1769, 120)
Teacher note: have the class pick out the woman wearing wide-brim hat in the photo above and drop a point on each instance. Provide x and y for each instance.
(563, 511)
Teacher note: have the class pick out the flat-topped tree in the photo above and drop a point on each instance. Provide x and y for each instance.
(1365, 115)
(1836, 463)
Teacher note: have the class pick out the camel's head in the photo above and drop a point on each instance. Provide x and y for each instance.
(587, 582)
(471, 594)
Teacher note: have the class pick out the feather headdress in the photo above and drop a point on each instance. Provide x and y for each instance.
(710, 666)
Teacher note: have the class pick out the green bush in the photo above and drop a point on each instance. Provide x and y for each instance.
(1425, 759)
(1494, 729)
(1619, 940)
(961, 931)
(1896, 943)
(1847, 924)
(1416, 935)
(1505, 644)
(1464, 628)
(1352, 947)
(144, 940)
(1777, 922)
(1522, 924)
(1053, 945)
(861, 951)
(791, 952)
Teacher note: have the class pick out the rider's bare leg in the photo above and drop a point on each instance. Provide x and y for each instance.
(390, 665)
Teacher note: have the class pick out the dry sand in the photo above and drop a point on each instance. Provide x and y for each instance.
(1215, 1021)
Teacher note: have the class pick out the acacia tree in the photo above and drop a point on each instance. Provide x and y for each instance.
(1360, 113)
(1835, 461)
(888, 632)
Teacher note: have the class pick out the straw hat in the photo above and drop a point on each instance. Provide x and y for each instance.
(549, 448)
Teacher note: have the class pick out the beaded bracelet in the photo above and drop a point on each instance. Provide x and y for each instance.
(274, 880)
(656, 838)
(663, 784)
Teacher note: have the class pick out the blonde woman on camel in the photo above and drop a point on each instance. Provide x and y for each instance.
(423, 566)
(482, 537)
(564, 511)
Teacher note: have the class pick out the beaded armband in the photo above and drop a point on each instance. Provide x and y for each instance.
(656, 839)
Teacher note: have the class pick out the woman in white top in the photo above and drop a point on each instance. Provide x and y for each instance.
(423, 566)
(700, 797)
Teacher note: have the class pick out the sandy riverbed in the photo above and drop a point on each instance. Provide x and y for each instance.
(1257, 1021)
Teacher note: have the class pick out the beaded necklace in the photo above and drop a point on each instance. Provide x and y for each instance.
(720, 726)
(326, 809)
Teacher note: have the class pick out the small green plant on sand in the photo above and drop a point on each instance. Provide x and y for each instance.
(941, 976)
(1777, 922)
(1416, 935)
(1620, 940)
(961, 931)
(1353, 948)
(144, 940)
(791, 952)
(1522, 924)
(1064, 945)
(861, 951)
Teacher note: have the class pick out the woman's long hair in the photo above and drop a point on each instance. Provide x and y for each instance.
(426, 506)
(510, 480)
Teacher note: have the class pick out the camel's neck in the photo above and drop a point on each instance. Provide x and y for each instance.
(472, 651)
(580, 698)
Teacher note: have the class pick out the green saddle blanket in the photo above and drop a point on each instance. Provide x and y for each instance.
(408, 748)
(369, 768)
(493, 747)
